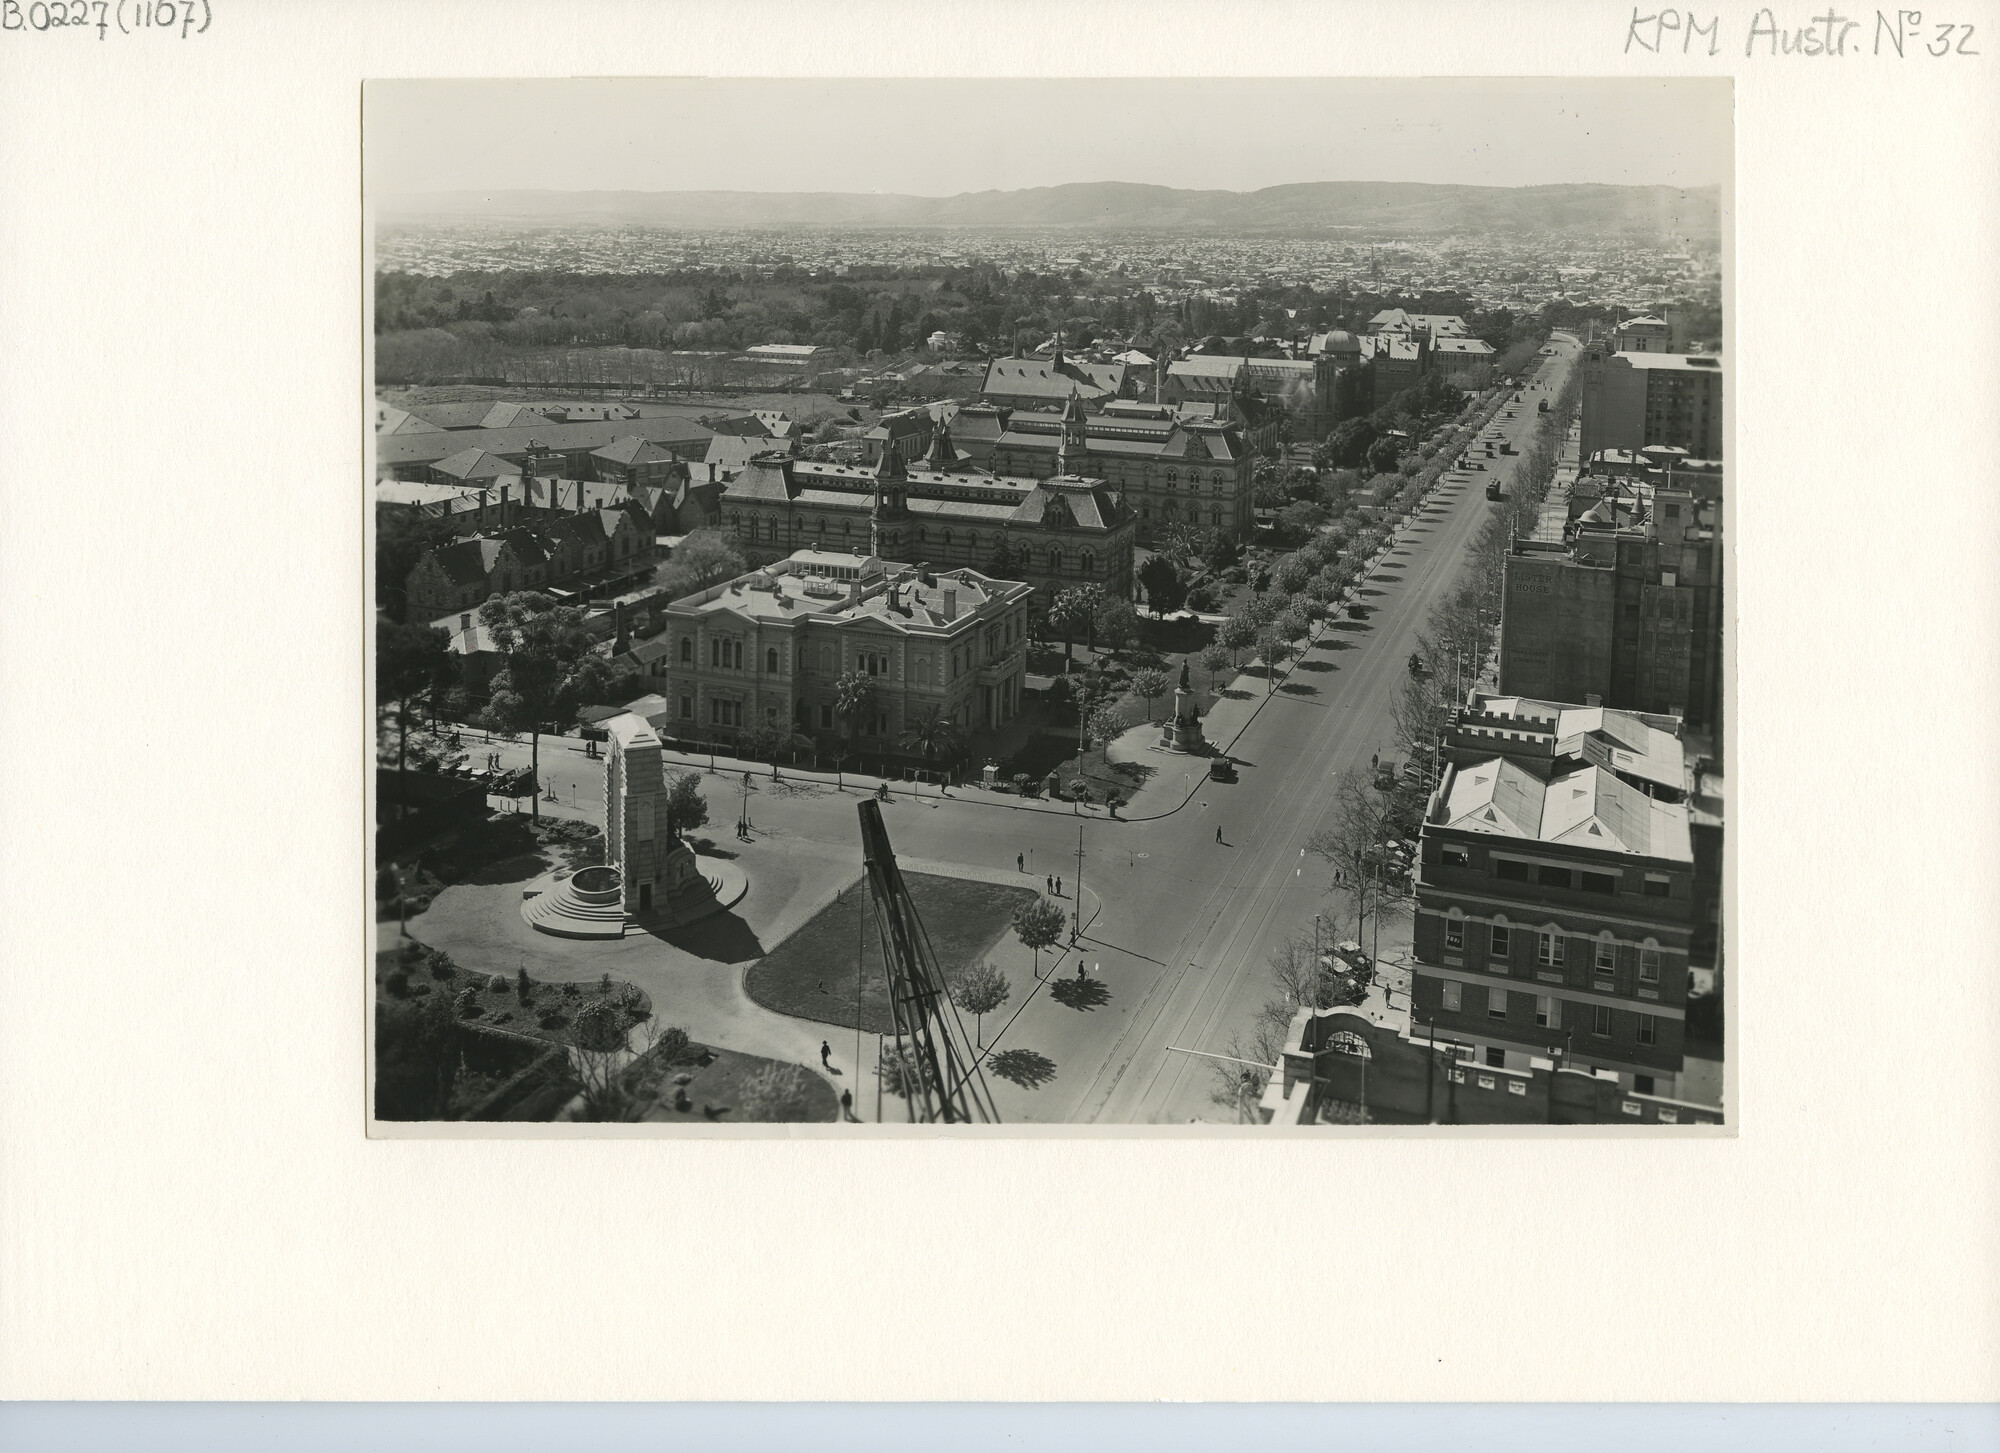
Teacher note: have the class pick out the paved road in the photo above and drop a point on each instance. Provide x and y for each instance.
(1180, 943)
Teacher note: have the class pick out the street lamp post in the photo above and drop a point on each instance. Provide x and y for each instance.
(746, 805)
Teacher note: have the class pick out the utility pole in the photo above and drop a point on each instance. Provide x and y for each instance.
(1076, 920)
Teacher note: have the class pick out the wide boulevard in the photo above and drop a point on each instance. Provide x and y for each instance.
(1179, 923)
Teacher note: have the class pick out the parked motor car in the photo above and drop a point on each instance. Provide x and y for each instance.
(1222, 770)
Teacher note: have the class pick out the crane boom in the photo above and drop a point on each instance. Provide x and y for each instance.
(939, 1065)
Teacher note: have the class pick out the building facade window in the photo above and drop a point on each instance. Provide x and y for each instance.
(1648, 1029)
(1496, 1003)
(1548, 1011)
(687, 651)
(771, 660)
(1454, 934)
(1454, 995)
(1600, 1021)
(1606, 958)
(1549, 950)
(1499, 942)
(1649, 965)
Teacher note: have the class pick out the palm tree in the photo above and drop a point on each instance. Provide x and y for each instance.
(935, 735)
(853, 698)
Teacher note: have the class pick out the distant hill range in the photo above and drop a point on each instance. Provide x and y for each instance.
(1415, 207)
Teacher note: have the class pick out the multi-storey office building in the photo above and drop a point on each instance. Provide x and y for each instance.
(1634, 398)
(1553, 922)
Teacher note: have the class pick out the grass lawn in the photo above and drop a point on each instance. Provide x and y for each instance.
(964, 920)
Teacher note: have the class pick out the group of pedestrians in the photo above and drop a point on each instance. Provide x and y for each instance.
(1055, 885)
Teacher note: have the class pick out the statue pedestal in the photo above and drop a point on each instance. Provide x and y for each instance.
(1183, 730)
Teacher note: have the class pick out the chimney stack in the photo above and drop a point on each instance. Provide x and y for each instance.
(482, 509)
(503, 506)
(465, 620)
(950, 603)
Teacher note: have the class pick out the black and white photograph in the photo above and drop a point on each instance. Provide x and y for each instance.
(1205, 608)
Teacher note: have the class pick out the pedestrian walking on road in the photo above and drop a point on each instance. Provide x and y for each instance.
(1218, 834)
(1059, 885)
(1020, 863)
(1050, 883)
(826, 1054)
(847, 1104)
(1376, 760)
(1079, 971)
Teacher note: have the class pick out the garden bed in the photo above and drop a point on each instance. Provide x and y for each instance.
(493, 1001)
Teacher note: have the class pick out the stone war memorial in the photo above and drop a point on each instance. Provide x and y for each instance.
(1183, 728)
(650, 875)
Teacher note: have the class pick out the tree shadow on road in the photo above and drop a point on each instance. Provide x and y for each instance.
(1024, 1067)
(1298, 688)
(1317, 666)
(1081, 994)
(1388, 579)
(1234, 695)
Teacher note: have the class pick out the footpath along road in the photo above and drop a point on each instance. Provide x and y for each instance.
(1182, 925)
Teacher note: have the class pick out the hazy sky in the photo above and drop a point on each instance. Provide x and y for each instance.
(936, 138)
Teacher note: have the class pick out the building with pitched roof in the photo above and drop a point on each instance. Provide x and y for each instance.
(565, 448)
(635, 460)
(769, 649)
(1165, 469)
(728, 453)
(1054, 533)
(1643, 334)
(1016, 382)
(1555, 909)
(1433, 325)
(569, 556)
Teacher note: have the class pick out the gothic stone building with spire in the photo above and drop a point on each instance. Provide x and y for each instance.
(1165, 469)
(1052, 533)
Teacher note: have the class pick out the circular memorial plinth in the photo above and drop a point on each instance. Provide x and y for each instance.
(590, 903)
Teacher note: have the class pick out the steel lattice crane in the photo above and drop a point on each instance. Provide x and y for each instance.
(940, 1074)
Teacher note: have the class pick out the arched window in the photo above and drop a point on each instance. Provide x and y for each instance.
(1089, 562)
(739, 655)
(923, 536)
(687, 651)
(771, 660)
(847, 527)
(972, 539)
(947, 539)
(1172, 479)
(1055, 561)
(822, 527)
(1215, 516)
(923, 670)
